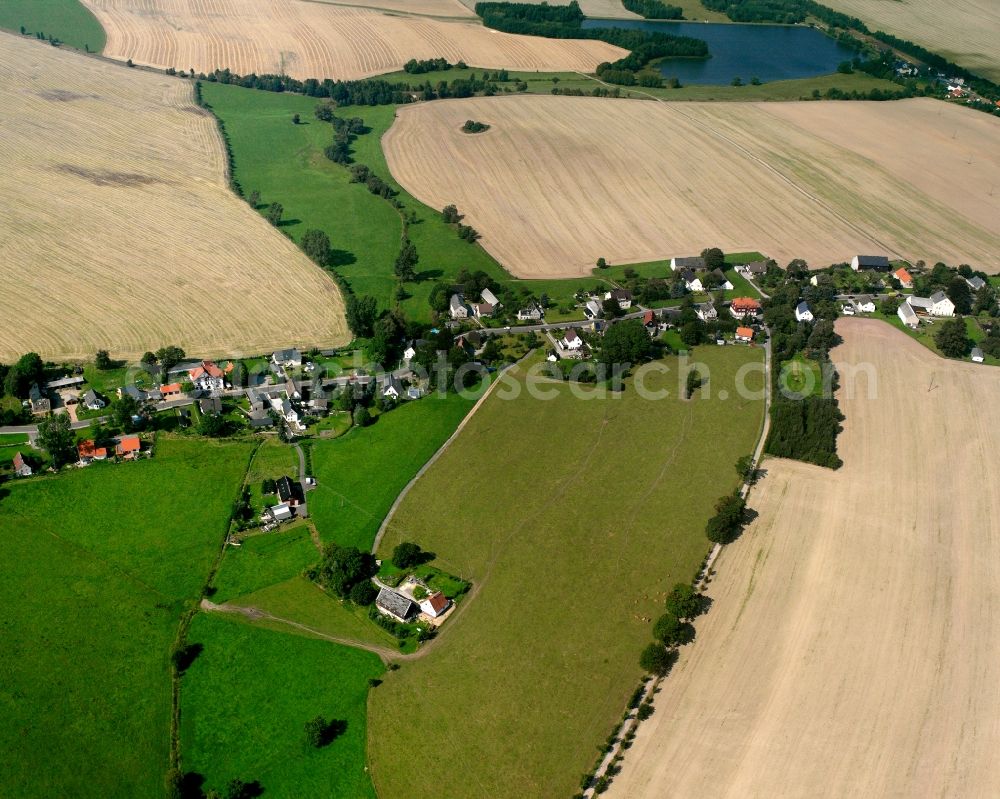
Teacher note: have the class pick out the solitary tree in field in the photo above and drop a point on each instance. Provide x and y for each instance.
(295, 119)
(56, 437)
(102, 360)
(274, 212)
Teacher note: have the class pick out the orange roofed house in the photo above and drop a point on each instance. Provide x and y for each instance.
(128, 446)
(744, 334)
(904, 278)
(87, 451)
(742, 307)
(210, 377)
(170, 390)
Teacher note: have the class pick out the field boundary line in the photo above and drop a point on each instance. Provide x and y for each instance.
(433, 459)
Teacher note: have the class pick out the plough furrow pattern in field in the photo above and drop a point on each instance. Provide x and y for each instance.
(122, 234)
(316, 40)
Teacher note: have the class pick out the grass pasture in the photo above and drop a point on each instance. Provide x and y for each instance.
(100, 564)
(321, 40)
(138, 174)
(549, 199)
(245, 701)
(263, 560)
(570, 532)
(67, 20)
(360, 474)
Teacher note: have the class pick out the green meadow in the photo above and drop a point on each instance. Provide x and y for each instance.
(100, 564)
(571, 532)
(66, 20)
(247, 697)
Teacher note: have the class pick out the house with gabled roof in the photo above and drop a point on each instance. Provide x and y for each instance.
(21, 468)
(802, 312)
(865, 303)
(390, 386)
(39, 402)
(489, 298)
(744, 334)
(128, 447)
(289, 359)
(742, 307)
(290, 491)
(435, 605)
(571, 340)
(394, 604)
(171, 390)
(209, 376)
(91, 401)
(977, 355)
(975, 282)
(907, 315)
(457, 307)
(532, 312)
(753, 269)
(592, 310)
(88, 451)
(905, 278)
(706, 312)
(879, 263)
(696, 263)
(622, 296)
(692, 282)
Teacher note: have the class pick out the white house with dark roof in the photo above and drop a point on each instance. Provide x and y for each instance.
(696, 262)
(706, 312)
(907, 315)
(802, 312)
(395, 605)
(592, 310)
(865, 303)
(92, 402)
(692, 282)
(622, 296)
(532, 312)
(457, 307)
(977, 355)
(877, 262)
(290, 358)
(937, 304)
(390, 387)
(571, 340)
(975, 282)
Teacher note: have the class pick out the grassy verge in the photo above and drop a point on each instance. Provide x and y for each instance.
(571, 532)
(246, 700)
(102, 563)
(66, 20)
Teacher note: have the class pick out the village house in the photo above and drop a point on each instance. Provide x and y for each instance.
(171, 391)
(210, 406)
(571, 340)
(743, 307)
(483, 310)
(411, 350)
(691, 281)
(284, 408)
(91, 401)
(592, 310)
(720, 280)
(937, 304)
(21, 468)
(696, 263)
(390, 387)
(39, 402)
(290, 492)
(977, 355)
(281, 512)
(396, 605)
(650, 322)
(975, 282)
(256, 401)
(847, 308)
(87, 452)
(288, 359)
(753, 269)
(706, 312)
(489, 298)
(904, 278)
(435, 604)
(865, 303)
(208, 376)
(128, 447)
(457, 307)
(802, 312)
(622, 296)
(863, 262)
(532, 312)
(907, 315)
(414, 393)
(744, 334)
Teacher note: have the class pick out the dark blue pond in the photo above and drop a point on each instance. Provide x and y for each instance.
(768, 52)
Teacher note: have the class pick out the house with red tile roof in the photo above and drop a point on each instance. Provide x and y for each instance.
(170, 390)
(904, 278)
(743, 307)
(21, 469)
(435, 604)
(88, 451)
(744, 334)
(128, 446)
(209, 376)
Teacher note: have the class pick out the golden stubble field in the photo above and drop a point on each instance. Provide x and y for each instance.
(852, 648)
(559, 181)
(322, 40)
(966, 32)
(605, 9)
(119, 231)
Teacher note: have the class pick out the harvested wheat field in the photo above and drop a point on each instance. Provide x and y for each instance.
(558, 182)
(119, 230)
(319, 40)
(446, 9)
(852, 648)
(966, 32)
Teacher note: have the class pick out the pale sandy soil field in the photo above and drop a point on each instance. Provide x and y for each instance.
(966, 32)
(424, 8)
(558, 182)
(320, 40)
(852, 648)
(608, 9)
(119, 231)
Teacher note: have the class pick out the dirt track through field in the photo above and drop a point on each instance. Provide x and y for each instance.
(852, 647)
(964, 31)
(321, 40)
(120, 232)
(558, 182)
